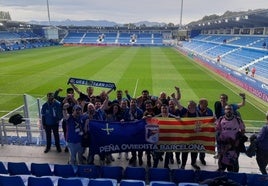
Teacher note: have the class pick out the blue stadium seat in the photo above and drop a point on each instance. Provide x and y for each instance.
(37, 181)
(41, 169)
(257, 179)
(188, 184)
(240, 178)
(69, 182)
(181, 175)
(135, 173)
(102, 182)
(113, 172)
(3, 169)
(162, 183)
(158, 174)
(88, 171)
(132, 183)
(11, 181)
(64, 171)
(204, 175)
(16, 168)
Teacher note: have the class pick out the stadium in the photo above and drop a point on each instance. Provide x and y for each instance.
(204, 58)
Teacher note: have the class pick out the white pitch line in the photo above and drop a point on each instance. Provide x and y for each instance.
(136, 86)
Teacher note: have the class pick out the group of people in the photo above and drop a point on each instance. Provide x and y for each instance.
(76, 114)
(253, 71)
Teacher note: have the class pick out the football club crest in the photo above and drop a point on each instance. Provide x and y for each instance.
(152, 133)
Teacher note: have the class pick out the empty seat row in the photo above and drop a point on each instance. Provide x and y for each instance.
(47, 181)
(118, 173)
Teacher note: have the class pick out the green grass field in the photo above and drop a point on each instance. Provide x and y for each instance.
(38, 71)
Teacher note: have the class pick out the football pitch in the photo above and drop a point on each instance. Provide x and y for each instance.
(38, 71)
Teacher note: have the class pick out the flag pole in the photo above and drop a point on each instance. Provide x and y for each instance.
(48, 13)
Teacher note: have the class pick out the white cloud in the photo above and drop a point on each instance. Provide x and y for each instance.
(124, 11)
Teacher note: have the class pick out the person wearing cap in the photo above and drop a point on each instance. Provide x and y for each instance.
(262, 147)
(74, 124)
(51, 115)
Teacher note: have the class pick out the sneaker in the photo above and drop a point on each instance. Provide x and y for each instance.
(59, 150)
(203, 162)
(132, 161)
(195, 166)
(46, 150)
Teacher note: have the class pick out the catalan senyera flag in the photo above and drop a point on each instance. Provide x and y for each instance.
(186, 134)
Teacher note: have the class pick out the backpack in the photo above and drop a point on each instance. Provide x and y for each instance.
(252, 148)
(16, 119)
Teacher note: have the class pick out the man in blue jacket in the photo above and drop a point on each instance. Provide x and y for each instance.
(51, 115)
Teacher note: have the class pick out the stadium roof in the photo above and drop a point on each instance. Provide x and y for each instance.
(249, 19)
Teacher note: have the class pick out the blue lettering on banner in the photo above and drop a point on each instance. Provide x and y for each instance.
(92, 83)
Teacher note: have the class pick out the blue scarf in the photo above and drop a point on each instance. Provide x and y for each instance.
(91, 83)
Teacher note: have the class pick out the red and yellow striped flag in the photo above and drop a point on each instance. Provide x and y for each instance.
(186, 134)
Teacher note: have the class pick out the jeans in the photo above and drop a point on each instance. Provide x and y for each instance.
(75, 151)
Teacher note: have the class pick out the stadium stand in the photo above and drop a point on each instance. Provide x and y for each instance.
(236, 52)
(112, 38)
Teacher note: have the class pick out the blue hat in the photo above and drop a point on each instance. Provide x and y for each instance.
(77, 107)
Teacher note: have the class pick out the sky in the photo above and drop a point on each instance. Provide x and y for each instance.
(124, 11)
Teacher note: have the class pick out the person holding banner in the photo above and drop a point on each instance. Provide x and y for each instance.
(156, 155)
(203, 111)
(177, 112)
(114, 113)
(135, 113)
(191, 113)
(94, 112)
(148, 113)
(125, 116)
(89, 97)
